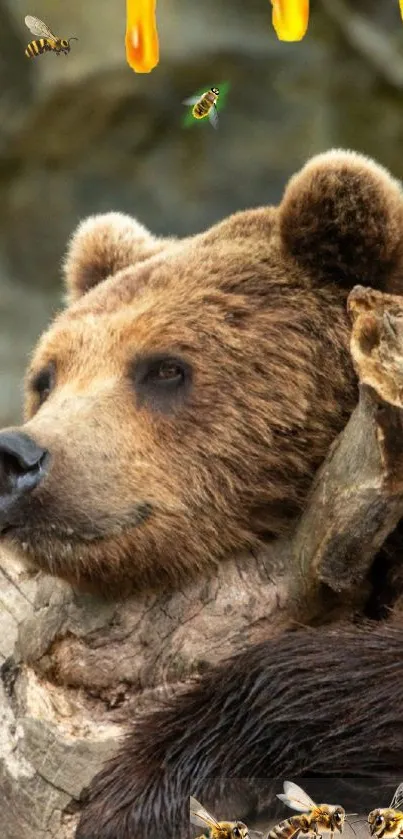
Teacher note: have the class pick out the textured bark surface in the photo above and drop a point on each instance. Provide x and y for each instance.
(75, 667)
(357, 497)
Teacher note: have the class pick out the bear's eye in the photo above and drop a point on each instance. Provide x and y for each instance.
(169, 370)
(161, 381)
(43, 382)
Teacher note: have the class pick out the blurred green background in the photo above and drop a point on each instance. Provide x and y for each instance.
(83, 134)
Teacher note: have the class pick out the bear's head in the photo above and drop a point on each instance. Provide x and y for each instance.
(177, 409)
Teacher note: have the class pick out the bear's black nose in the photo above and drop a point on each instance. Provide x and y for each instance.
(23, 464)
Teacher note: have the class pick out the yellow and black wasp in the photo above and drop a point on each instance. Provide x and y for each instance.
(46, 41)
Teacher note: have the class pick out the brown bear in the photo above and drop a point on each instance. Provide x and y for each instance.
(179, 406)
(177, 410)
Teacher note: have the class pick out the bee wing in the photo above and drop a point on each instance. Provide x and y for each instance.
(213, 116)
(296, 798)
(397, 799)
(199, 816)
(38, 28)
(191, 101)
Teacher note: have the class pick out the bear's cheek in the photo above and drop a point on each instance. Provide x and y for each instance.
(110, 471)
(66, 507)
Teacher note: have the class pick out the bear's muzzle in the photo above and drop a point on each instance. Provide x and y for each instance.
(23, 465)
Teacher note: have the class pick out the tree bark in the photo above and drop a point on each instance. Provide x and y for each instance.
(357, 497)
(76, 667)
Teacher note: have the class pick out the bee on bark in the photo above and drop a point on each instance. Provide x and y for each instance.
(315, 819)
(205, 105)
(218, 830)
(46, 41)
(387, 822)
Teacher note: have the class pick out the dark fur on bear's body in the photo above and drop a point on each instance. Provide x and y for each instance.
(312, 703)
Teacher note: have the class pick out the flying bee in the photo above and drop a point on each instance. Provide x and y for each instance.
(218, 830)
(388, 822)
(205, 105)
(314, 818)
(47, 42)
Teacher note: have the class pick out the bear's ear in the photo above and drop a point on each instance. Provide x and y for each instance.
(101, 246)
(341, 218)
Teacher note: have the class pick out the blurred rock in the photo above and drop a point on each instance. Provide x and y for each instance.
(16, 88)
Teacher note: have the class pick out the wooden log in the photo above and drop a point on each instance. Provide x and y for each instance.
(357, 497)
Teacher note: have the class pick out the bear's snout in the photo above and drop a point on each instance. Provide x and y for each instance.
(23, 465)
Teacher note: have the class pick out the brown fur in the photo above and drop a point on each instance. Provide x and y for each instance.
(101, 246)
(315, 703)
(144, 487)
(307, 213)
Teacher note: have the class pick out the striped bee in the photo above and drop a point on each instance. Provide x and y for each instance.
(217, 830)
(315, 819)
(205, 105)
(387, 823)
(46, 41)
